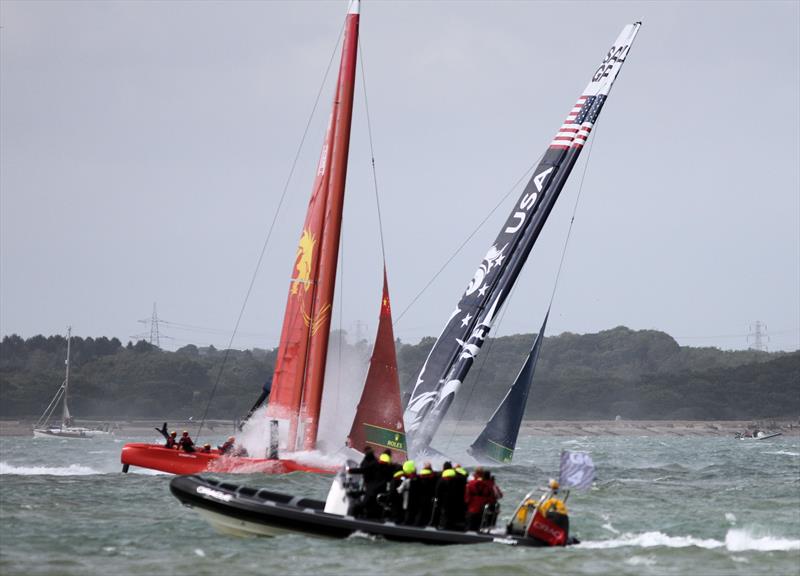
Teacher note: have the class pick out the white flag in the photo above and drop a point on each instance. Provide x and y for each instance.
(577, 470)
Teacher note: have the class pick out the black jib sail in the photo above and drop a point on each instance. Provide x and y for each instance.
(454, 352)
(498, 439)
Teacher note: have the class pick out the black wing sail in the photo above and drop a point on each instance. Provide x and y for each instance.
(498, 439)
(453, 353)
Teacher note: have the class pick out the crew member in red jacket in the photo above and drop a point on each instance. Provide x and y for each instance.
(479, 493)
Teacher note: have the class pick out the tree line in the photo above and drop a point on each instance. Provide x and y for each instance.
(640, 374)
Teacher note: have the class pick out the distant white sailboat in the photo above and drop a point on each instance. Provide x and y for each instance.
(66, 430)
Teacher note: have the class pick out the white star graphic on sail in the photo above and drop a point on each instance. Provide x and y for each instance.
(482, 290)
(465, 320)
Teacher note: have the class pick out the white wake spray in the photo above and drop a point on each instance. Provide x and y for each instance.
(345, 373)
(736, 540)
(71, 470)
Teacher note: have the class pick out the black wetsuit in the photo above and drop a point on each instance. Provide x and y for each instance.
(450, 502)
(427, 492)
(186, 444)
(369, 470)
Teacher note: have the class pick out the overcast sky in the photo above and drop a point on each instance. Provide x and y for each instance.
(145, 146)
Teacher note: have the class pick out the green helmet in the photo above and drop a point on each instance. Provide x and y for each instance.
(409, 467)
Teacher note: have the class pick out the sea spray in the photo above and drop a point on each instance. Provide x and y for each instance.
(736, 540)
(345, 373)
(71, 470)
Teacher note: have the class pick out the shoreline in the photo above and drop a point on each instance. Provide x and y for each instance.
(787, 426)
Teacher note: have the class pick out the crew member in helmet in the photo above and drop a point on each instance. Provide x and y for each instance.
(172, 440)
(409, 490)
(551, 500)
(427, 493)
(207, 448)
(450, 505)
(227, 446)
(479, 494)
(368, 469)
(186, 443)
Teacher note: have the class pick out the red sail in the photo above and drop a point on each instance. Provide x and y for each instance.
(300, 366)
(379, 416)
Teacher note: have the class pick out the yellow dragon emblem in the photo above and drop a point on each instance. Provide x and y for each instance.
(305, 251)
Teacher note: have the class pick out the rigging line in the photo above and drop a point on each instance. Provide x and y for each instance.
(555, 283)
(467, 239)
(341, 314)
(269, 233)
(372, 151)
(572, 219)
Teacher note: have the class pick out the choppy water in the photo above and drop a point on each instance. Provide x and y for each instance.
(661, 505)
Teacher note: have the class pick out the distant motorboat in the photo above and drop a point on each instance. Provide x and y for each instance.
(756, 435)
(66, 429)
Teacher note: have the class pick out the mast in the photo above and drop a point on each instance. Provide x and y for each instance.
(329, 251)
(300, 364)
(65, 416)
(454, 352)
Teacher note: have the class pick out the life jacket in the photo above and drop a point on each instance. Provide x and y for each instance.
(478, 494)
(553, 504)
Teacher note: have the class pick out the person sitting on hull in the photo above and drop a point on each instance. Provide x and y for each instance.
(227, 446)
(206, 448)
(172, 440)
(185, 443)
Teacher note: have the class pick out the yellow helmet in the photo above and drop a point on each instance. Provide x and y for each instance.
(385, 458)
(554, 485)
(409, 467)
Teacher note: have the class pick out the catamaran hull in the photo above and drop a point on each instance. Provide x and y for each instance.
(174, 461)
(68, 433)
(244, 511)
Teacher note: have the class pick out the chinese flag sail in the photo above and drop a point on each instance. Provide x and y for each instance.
(379, 416)
(300, 366)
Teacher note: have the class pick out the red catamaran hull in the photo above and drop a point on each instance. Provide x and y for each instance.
(174, 461)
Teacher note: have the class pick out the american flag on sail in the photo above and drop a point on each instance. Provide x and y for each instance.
(579, 122)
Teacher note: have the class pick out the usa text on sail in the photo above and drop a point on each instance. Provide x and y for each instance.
(468, 326)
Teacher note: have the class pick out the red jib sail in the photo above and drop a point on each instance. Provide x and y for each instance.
(379, 416)
(300, 365)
